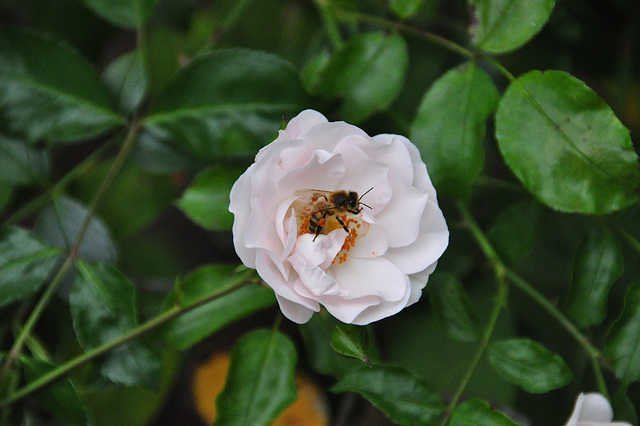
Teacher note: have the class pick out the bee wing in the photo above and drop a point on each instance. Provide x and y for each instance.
(309, 201)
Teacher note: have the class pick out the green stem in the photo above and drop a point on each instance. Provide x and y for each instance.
(431, 37)
(628, 237)
(594, 354)
(330, 25)
(238, 281)
(68, 262)
(230, 20)
(501, 298)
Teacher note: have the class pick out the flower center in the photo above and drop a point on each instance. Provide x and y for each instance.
(353, 223)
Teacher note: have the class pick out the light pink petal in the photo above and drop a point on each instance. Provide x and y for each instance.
(373, 243)
(383, 310)
(421, 179)
(271, 274)
(240, 206)
(322, 171)
(346, 310)
(371, 277)
(313, 278)
(301, 122)
(428, 247)
(363, 174)
(328, 135)
(392, 150)
(261, 233)
(325, 247)
(418, 282)
(294, 311)
(402, 216)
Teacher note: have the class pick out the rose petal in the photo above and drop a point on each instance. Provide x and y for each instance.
(240, 206)
(261, 233)
(418, 282)
(323, 171)
(392, 150)
(364, 174)
(371, 277)
(383, 310)
(324, 247)
(346, 310)
(428, 247)
(401, 217)
(294, 311)
(301, 122)
(373, 243)
(328, 135)
(421, 179)
(312, 278)
(273, 276)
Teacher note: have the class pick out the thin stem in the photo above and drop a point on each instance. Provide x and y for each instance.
(594, 354)
(431, 37)
(68, 262)
(238, 281)
(230, 20)
(628, 237)
(330, 25)
(500, 300)
(38, 202)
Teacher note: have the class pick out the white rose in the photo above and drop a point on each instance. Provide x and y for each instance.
(371, 272)
(592, 409)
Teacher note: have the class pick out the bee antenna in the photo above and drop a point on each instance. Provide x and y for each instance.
(367, 206)
(368, 191)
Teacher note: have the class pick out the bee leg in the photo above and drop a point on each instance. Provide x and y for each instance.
(344, 226)
(320, 225)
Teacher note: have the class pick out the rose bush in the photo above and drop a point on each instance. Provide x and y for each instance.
(371, 272)
(593, 409)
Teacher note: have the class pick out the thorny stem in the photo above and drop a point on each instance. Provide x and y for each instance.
(68, 262)
(236, 282)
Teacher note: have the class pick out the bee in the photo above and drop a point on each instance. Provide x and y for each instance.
(324, 208)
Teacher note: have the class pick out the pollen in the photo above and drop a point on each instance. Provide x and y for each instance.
(354, 223)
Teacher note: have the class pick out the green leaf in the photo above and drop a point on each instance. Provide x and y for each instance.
(622, 345)
(127, 80)
(565, 144)
(103, 308)
(227, 102)
(198, 324)
(49, 92)
(529, 365)
(59, 398)
(206, 200)
(351, 341)
(504, 25)
(136, 197)
(124, 13)
(396, 392)
(25, 263)
(453, 307)
(21, 164)
(367, 73)
(316, 334)
(405, 8)
(450, 126)
(522, 219)
(597, 265)
(478, 412)
(59, 223)
(155, 157)
(261, 381)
